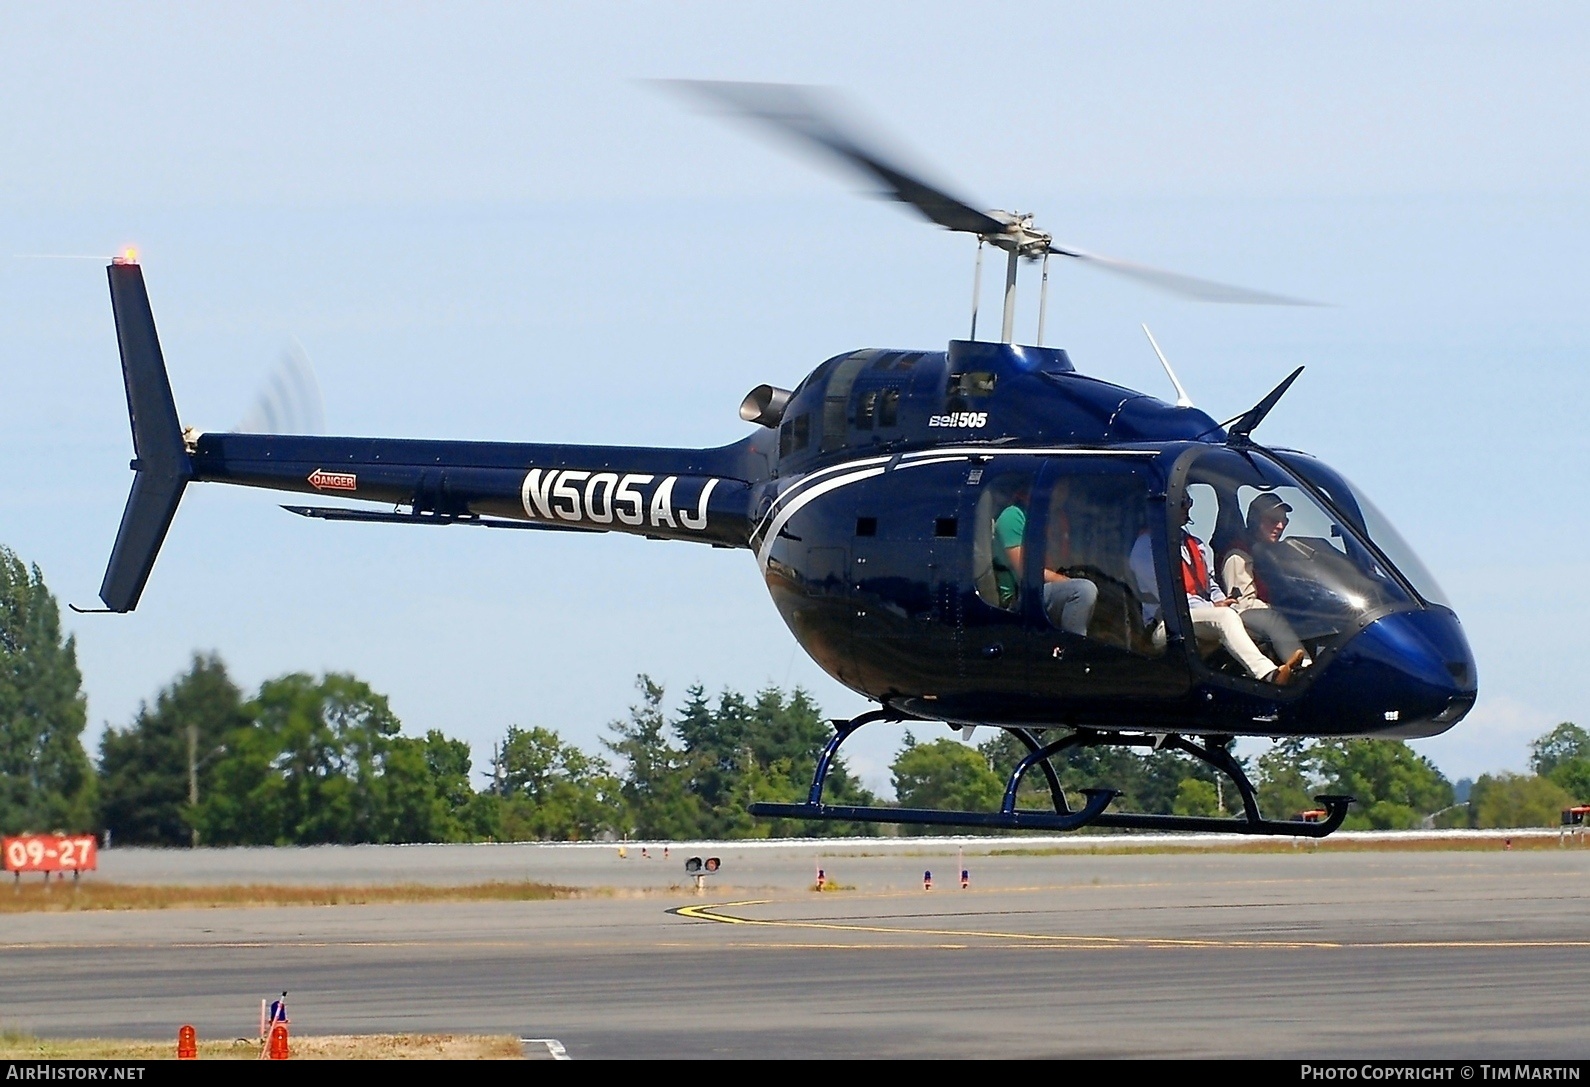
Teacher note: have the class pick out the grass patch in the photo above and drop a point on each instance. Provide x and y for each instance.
(94, 895)
(15, 1045)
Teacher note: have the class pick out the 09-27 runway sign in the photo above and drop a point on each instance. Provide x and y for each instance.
(50, 853)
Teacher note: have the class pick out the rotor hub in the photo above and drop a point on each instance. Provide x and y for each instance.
(1019, 237)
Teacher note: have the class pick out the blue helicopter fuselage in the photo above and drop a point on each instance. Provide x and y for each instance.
(877, 498)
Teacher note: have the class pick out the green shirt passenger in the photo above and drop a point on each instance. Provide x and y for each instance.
(1009, 527)
(1067, 601)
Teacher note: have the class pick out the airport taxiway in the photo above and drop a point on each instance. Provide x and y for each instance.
(1299, 954)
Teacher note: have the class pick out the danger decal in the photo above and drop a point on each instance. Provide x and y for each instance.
(322, 480)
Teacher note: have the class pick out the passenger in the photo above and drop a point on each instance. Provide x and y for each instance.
(1142, 566)
(1266, 521)
(1214, 623)
(1067, 601)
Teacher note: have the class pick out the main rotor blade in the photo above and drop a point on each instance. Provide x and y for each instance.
(801, 112)
(1202, 290)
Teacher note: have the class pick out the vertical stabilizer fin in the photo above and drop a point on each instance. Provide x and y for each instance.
(162, 466)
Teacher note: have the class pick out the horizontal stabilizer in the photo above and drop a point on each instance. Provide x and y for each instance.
(162, 465)
(392, 517)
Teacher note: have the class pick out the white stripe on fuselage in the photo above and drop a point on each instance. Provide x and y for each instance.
(805, 481)
(802, 492)
(1027, 451)
(806, 496)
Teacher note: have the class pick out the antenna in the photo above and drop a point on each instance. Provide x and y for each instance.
(1238, 431)
(1182, 399)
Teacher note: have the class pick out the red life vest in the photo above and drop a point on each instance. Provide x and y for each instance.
(1194, 571)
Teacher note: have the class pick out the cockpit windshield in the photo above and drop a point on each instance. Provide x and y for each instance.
(1297, 572)
(1366, 516)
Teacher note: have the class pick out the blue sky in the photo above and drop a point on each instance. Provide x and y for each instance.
(479, 221)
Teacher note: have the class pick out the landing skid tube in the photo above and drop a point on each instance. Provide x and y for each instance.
(1213, 752)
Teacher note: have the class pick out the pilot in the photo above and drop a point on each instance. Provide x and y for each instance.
(1213, 620)
(1266, 521)
(1067, 601)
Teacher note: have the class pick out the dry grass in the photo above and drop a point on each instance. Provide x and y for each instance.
(28, 897)
(331, 1047)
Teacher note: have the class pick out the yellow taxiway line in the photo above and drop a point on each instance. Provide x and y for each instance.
(713, 912)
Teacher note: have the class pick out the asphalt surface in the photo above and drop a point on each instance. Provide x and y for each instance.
(1448, 955)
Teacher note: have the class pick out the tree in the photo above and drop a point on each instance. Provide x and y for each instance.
(413, 792)
(1563, 755)
(553, 790)
(656, 783)
(1394, 787)
(1148, 782)
(322, 761)
(1517, 800)
(1562, 744)
(766, 749)
(476, 816)
(145, 783)
(46, 782)
(1573, 776)
(1285, 786)
(1195, 797)
(947, 775)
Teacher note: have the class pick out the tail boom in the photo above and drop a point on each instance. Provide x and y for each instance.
(701, 495)
(681, 494)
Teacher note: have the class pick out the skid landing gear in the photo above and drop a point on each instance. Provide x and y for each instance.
(1212, 752)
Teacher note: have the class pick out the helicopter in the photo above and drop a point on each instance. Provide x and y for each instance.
(890, 500)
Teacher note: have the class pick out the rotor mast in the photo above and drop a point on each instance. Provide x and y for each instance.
(1019, 241)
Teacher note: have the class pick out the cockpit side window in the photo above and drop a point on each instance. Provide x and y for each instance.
(1096, 536)
(794, 434)
(866, 409)
(889, 408)
(836, 400)
(1298, 577)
